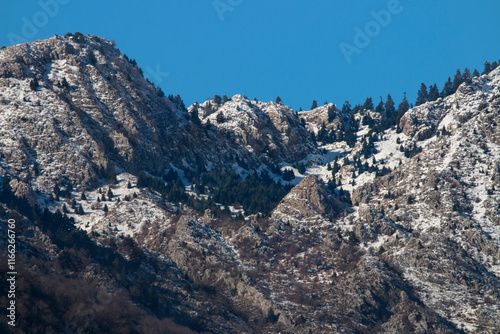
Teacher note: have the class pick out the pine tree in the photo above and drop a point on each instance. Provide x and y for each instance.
(476, 73)
(57, 191)
(368, 104)
(129, 185)
(433, 93)
(390, 107)
(403, 107)
(69, 189)
(105, 209)
(314, 105)
(331, 114)
(422, 95)
(346, 108)
(83, 197)
(278, 100)
(467, 77)
(219, 118)
(217, 99)
(447, 88)
(34, 84)
(195, 118)
(110, 193)
(487, 68)
(494, 65)
(457, 80)
(380, 107)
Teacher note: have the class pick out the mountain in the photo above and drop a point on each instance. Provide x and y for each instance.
(137, 214)
(99, 115)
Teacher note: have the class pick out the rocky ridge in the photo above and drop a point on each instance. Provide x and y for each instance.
(413, 243)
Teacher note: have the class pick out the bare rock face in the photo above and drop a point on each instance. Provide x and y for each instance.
(328, 116)
(306, 202)
(364, 194)
(270, 129)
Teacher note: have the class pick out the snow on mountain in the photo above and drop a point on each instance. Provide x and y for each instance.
(417, 251)
(271, 129)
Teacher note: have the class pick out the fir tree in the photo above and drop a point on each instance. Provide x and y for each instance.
(390, 107)
(57, 191)
(105, 209)
(34, 84)
(301, 167)
(194, 115)
(110, 193)
(476, 73)
(219, 118)
(403, 107)
(487, 68)
(83, 197)
(69, 189)
(422, 95)
(288, 175)
(466, 76)
(494, 65)
(217, 99)
(368, 105)
(331, 114)
(278, 100)
(457, 80)
(447, 88)
(129, 185)
(433, 93)
(314, 105)
(380, 107)
(346, 108)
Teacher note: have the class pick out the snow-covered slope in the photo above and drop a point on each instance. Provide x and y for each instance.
(416, 250)
(270, 129)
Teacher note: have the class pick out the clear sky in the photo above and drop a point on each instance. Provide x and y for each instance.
(266, 48)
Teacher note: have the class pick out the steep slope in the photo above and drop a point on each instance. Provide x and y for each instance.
(74, 109)
(447, 200)
(271, 129)
(415, 248)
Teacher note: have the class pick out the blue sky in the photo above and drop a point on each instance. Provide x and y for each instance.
(288, 48)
